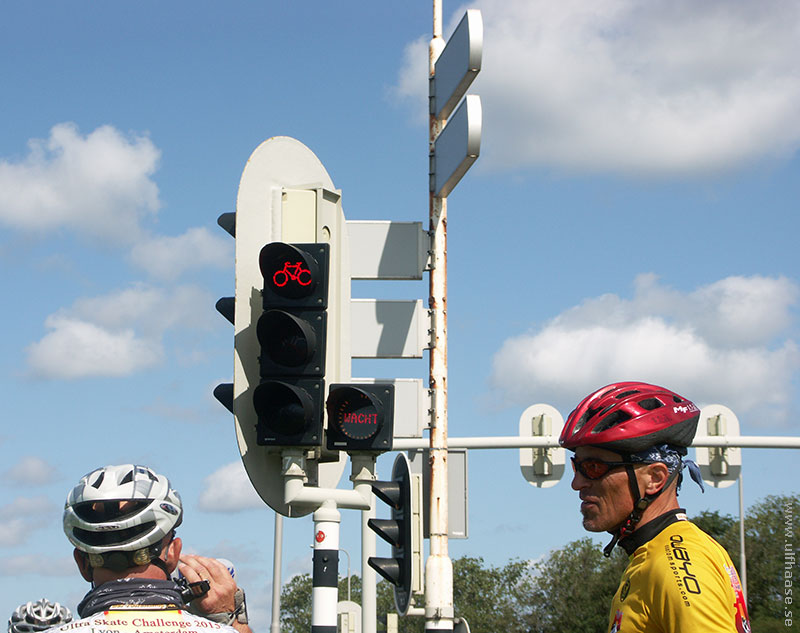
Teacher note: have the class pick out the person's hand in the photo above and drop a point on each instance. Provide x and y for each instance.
(220, 597)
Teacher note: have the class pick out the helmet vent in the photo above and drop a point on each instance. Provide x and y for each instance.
(104, 511)
(677, 399)
(625, 394)
(99, 480)
(114, 537)
(590, 413)
(651, 403)
(612, 419)
(128, 478)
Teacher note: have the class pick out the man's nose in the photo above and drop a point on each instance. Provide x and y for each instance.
(579, 482)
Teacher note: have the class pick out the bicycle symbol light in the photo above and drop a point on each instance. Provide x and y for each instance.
(293, 272)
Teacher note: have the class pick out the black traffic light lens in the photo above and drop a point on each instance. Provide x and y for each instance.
(288, 272)
(287, 340)
(355, 413)
(282, 408)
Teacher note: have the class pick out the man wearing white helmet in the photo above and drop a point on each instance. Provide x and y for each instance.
(41, 615)
(122, 521)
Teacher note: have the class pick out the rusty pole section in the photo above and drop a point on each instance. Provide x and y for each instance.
(439, 567)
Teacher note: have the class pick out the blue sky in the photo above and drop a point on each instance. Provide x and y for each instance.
(633, 215)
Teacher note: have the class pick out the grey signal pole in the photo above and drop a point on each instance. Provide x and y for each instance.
(439, 567)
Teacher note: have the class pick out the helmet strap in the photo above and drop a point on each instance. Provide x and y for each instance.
(158, 562)
(640, 504)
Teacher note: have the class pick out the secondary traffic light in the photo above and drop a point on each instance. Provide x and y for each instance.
(291, 333)
(360, 417)
(403, 531)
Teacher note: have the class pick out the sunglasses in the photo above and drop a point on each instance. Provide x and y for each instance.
(593, 468)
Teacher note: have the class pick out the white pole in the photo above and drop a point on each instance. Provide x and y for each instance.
(369, 592)
(439, 567)
(742, 556)
(516, 441)
(275, 626)
(348, 572)
(325, 582)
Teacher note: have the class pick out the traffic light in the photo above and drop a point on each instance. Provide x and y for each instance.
(291, 332)
(403, 531)
(360, 417)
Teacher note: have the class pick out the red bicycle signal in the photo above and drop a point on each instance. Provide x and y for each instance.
(293, 272)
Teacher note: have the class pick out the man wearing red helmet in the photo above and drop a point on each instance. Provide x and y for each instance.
(629, 440)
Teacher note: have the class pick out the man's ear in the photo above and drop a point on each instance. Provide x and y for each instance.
(82, 561)
(173, 554)
(658, 474)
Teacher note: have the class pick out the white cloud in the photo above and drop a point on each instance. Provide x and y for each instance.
(116, 334)
(617, 85)
(229, 490)
(412, 79)
(728, 343)
(31, 471)
(77, 349)
(169, 257)
(98, 185)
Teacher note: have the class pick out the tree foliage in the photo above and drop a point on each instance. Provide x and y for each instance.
(571, 589)
(489, 597)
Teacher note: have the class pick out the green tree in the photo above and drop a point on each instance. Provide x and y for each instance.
(296, 605)
(488, 597)
(571, 589)
(718, 526)
(485, 596)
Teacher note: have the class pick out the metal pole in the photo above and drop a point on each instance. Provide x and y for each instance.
(439, 567)
(369, 592)
(742, 557)
(517, 441)
(348, 572)
(277, 555)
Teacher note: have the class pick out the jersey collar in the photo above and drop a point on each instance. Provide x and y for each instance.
(650, 529)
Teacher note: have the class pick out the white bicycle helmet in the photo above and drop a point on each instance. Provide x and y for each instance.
(119, 515)
(41, 615)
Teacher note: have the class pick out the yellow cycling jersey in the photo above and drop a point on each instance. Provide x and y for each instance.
(678, 580)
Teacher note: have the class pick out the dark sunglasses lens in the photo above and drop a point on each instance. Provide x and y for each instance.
(591, 468)
(594, 469)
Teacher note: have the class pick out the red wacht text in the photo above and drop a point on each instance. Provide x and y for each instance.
(360, 418)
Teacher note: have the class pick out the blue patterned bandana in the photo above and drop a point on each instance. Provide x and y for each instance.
(673, 458)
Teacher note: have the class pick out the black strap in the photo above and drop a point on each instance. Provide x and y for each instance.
(640, 504)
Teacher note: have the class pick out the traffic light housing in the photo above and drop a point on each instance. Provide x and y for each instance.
(403, 531)
(291, 332)
(360, 417)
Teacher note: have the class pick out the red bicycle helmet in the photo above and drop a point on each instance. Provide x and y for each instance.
(627, 417)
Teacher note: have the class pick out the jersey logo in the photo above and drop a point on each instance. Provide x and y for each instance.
(617, 622)
(742, 619)
(625, 589)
